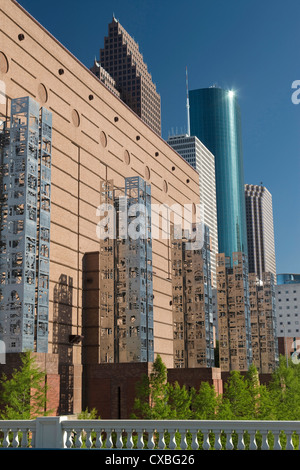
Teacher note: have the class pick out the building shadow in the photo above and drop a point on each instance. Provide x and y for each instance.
(62, 329)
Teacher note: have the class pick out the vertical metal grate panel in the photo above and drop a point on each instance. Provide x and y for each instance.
(43, 259)
(22, 220)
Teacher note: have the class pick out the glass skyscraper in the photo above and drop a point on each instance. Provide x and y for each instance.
(215, 120)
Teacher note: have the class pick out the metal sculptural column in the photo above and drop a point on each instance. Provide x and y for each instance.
(126, 284)
(107, 275)
(139, 313)
(19, 232)
(192, 299)
(43, 261)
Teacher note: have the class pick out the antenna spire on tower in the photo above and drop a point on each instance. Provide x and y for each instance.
(187, 105)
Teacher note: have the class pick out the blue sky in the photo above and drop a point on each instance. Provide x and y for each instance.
(246, 45)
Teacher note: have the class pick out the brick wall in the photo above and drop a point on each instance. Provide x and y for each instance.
(110, 388)
(192, 377)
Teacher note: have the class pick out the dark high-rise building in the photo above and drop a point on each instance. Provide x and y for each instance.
(215, 120)
(122, 59)
(260, 230)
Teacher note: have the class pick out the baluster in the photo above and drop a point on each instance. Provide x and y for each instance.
(206, 443)
(109, 442)
(194, 443)
(252, 444)
(119, 441)
(265, 443)
(151, 441)
(218, 443)
(140, 441)
(161, 440)
(183, 441)
(241, 443)
(277, 444)
(24, 440)
(98, 441)
(69, 439)
(15, 438)
(6, 439)
(130, 443)
(89, 442)
(78, 443)
(229, 443)
(289, 441)
(172, 444)
(102, 439)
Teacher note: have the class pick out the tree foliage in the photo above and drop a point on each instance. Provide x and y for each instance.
(23, 396)
(243, 397)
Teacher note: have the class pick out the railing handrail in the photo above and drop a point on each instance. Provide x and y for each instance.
(65, 432)
(175, 423)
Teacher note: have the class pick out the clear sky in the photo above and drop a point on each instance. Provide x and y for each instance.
(251, 46)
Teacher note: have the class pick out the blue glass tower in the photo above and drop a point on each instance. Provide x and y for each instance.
(215, 120)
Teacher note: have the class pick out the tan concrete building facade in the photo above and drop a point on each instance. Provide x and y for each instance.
(95, 137)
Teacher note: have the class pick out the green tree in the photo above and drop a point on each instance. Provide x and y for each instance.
(204, 402)
(284, 390)
(151, 400)
(86, 414)
(261, 403)
(179, 401)
(236, 401)
(24, 395)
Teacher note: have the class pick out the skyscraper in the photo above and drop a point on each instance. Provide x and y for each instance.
(200, 158)
(260, 230)
(122, 59)
(215, 120)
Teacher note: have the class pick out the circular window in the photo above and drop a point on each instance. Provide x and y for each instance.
(3, 63)
(103, 139)
(127, 157)
(165, 186)
(75, 118)
(147, 173)
(42, 93)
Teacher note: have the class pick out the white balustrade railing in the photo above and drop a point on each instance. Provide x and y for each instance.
(62, 432)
